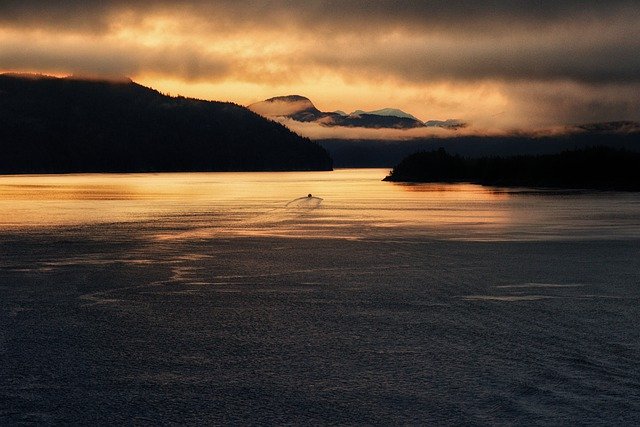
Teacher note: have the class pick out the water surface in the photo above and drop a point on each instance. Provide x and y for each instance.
(233, 298)
(348, 203)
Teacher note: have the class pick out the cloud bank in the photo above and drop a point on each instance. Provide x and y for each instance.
(496, 64)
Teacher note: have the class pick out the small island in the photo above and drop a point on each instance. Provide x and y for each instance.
(589, 168)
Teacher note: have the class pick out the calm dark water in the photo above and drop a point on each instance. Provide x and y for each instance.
(224, 298)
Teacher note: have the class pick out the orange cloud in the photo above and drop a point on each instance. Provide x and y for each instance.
(501, 67)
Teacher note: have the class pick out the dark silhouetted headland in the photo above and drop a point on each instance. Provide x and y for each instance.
(593, 168)
(55, 125)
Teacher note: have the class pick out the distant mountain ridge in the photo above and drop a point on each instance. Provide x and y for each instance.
(301, 109)
(393, 112)
(61, 125)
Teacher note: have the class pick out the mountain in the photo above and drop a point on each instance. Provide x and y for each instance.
(58, 125)
(447, 124)
(300, 108)
(295, 107)
(393, 112)
(376, 121)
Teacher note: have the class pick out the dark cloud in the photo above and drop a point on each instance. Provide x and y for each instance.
(74, 15)
(559, 60)
(113, 60)
(570, 103)
(343, 14)
(519, 58)
(588, 41)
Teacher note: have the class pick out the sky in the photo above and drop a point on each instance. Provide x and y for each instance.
(499, 65)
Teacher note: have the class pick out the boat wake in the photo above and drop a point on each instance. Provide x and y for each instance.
(304, 202)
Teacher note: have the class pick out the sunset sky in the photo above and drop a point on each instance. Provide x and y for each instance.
(496, 64)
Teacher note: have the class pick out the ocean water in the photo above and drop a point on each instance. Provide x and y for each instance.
(233, 298)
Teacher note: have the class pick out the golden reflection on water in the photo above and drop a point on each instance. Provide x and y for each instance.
(246, 201)
(355, 202)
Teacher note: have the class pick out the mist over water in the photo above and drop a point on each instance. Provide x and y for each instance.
(236, 298)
